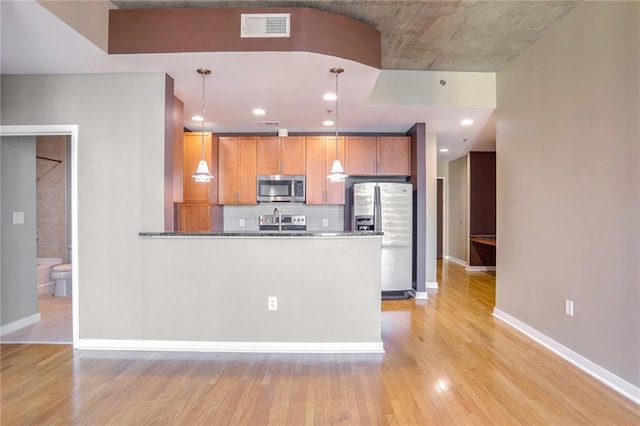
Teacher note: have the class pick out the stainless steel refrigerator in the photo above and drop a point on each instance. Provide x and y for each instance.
(388, 207)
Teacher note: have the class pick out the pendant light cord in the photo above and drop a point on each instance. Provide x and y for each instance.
(202, 127)
(337, 73)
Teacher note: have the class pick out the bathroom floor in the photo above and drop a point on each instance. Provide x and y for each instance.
(55, 324)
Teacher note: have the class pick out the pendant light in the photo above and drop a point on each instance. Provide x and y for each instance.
(337, 172)
(202, 172)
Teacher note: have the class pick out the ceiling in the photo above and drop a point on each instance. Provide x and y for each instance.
(433, 36)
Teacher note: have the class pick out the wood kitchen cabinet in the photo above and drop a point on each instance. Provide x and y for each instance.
(237, 166)
(199, 191)
(198, 212)
(321, 151)
(361, 155)
(378, 156)
(281, 155)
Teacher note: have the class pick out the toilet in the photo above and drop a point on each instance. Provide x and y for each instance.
(62, 276)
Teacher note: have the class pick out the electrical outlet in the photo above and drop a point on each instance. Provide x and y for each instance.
(241, 223)
(325, 223)
(272, 303)
(568, 307)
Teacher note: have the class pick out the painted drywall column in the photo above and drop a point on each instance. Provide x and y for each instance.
(19, 293)
(568, 179)
(169, 149)
(431, 170)
(423, 177)
(457, 206)
(418, 179)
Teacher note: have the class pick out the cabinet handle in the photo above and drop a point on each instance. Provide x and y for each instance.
(280, 166)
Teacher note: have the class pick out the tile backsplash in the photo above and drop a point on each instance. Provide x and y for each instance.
(334, 215)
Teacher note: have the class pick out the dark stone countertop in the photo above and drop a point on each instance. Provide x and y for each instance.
(262, 234)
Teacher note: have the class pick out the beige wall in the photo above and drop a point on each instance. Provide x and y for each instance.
(120, 122)
(458, 209)
(132, 288)
(568, 163)
(51, 193)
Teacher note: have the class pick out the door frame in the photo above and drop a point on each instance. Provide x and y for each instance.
(70, 130)
(444, 215)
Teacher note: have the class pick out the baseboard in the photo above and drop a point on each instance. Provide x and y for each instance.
(480, 268)
(253, 347)
(420, 295)
(431, 287)
(605, 376)
(21, 323)
(47, 287)
(456, 260)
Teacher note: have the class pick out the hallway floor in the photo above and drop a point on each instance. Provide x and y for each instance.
(55, 325)
(448, 361)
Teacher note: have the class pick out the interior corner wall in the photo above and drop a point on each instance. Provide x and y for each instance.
(120, 156)
(458, 210)
(431, 170)
(18, 288)
(568, 168)
(418, 136)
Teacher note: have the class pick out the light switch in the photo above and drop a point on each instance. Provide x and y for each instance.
(325, 223)
(241, 223)
(18, 218)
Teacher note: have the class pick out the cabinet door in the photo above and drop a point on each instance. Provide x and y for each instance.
(394, 155)
(247, 159)
(268, 155)
(192, 190)
(316, 175)
(195, 217)
(334, 190)
(293, 155)
(361, 155)
(228, 170)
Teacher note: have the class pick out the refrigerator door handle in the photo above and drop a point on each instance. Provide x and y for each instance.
(377, 210)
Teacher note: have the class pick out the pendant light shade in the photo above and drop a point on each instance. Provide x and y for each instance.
(202, 172)
(337, 173)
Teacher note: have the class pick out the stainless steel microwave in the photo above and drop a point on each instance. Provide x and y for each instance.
(281, 188)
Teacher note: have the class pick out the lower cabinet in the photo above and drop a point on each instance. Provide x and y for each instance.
(200, 217)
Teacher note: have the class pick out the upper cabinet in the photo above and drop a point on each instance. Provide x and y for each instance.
(321, 151)
(237, 165)
(281, 155)
(199, 191)
(381, 156)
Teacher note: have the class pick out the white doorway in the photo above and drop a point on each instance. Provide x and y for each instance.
(71, 131)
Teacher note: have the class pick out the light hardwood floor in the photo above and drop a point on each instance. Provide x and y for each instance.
(447, 362)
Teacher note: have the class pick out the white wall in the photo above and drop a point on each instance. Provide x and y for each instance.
(458, 210)
(568, 168)
(120, 180)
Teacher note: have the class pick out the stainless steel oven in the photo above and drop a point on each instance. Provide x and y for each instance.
(281, 188)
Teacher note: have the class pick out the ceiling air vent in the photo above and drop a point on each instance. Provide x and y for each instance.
(269, 123)
(265, 25)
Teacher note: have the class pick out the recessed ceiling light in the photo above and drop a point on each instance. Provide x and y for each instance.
(329, 97)
(467, 122)
(444, 150)
(197, 118)
(328, 123)
(259, 111)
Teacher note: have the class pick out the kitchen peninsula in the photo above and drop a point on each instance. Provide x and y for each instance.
(212, 291)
